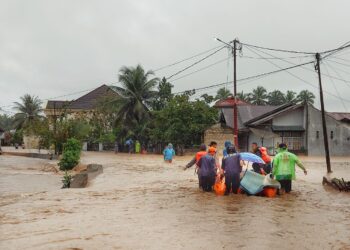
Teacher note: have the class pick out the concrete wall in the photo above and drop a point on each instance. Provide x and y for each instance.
(269, 143)
(31, 142)
(293, 118)
(220, 135)
(338, 146)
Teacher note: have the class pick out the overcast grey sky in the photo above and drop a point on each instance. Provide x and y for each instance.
(53, 48)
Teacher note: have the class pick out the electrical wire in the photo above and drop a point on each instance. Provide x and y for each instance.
(336, 89)
(201, 69)
(279, 50)
(195, 63)
(297, 77)
(246, 78)
(186, 59)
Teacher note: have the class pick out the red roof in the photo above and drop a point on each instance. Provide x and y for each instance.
(229, 102)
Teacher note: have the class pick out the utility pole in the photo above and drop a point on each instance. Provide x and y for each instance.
(324, 125)
(235, 118)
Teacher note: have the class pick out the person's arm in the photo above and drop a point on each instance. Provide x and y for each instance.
(191, 163)
(173, 152)
(199, 163)
(300, 165)
(275, 165)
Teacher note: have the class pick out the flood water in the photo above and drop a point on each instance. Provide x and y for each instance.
(139, 202)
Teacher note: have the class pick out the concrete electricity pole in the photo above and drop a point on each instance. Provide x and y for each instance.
(324, 125)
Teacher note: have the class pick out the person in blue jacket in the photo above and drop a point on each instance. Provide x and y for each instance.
(168, 153)
(227, 144)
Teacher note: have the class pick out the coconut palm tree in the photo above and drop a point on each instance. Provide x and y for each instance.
(290, 97)
(28, 111)
(306, 97)
(244, 96)
(222, 93)
(136, 94)
(276, 97)
(258, 96)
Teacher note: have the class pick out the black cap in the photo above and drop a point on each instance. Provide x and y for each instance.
(282, 145)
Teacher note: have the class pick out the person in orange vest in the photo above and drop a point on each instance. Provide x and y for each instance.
(202, 151)
(262, 153)
(207, 170)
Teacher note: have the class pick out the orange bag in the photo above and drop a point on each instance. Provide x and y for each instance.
(270, 192)
(220, 188)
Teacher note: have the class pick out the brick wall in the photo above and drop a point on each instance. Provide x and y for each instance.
(219, 134)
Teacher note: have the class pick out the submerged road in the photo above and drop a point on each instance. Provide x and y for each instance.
(139, 202)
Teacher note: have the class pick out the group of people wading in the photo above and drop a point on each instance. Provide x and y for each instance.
(210, 171)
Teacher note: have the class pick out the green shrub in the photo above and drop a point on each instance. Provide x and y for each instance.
(71, 154)
(66, 180)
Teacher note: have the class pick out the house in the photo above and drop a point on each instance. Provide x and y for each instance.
(82, 105)
(297, 125)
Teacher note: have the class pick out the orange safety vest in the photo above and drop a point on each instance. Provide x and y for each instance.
(199, 155)
(264, 155)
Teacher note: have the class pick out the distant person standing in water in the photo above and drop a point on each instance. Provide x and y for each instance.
(284, 168)
(129, 143)
(137, 147)
(169, 153)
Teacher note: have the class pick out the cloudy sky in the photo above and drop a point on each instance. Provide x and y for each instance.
(55, 48)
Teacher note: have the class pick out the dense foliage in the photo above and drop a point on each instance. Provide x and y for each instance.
(71, 154)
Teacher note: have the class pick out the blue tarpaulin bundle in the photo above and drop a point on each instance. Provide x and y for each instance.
(253, 183)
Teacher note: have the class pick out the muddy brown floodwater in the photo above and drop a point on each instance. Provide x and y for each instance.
(139, 202)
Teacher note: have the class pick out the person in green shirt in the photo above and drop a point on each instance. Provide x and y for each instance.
(137, 147)
(284, 167)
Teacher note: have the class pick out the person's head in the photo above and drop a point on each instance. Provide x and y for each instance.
(170, 145)
(213, 144)
(227, 144)
(212, 150)
(255, 147)
(231, 150)
(203, 147)
(282, 146)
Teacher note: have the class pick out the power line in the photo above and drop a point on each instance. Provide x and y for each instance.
(279, 50)
(201, 69)
(297, 77)
(246, 78)
(327, 75)
(195, 63)
(336, 89)
(186, 59)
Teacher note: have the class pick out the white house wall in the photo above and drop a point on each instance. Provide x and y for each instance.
(293, 118)
(338, 146)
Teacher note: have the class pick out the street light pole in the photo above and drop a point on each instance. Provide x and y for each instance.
(235, 113)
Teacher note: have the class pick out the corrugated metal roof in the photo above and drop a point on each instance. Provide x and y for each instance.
(229, 102)
(340, 116)
(245, 113)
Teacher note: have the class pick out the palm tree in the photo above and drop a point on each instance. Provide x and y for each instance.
(306, 97)
(222, 93)
(276, 98)
(258, 96)
(28, 112)
(244, 96)
(136, 94)
(290, 97)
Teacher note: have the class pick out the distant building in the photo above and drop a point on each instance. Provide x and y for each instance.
(82, 105)
(297, 125)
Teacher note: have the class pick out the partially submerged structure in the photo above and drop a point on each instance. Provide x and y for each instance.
(297, 125)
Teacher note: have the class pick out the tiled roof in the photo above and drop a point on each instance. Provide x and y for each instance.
(86, 102)
(229, 102)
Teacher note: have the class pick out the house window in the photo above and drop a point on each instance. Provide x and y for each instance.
(317, 134)
(332, 135)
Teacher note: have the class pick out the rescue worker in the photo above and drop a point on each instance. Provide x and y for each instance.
(262, 153)
(232, 166)
(202, 151)
(207, 170)
(284, 168)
